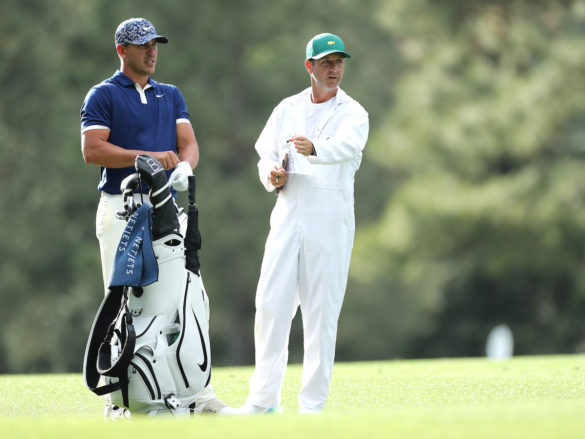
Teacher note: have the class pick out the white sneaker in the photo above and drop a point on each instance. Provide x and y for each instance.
(212, 406)
(114, 412)
(250, 409)
(307, 411)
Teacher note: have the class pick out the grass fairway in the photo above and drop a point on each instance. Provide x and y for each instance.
(526, 397)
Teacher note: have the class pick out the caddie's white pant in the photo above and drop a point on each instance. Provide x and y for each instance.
(306, 262)
(108, 231)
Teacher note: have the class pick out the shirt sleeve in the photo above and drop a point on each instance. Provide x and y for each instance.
(267, 148)
(181, 113)
(96, 110)
(347, 143)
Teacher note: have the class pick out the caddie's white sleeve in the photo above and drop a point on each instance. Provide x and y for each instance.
(349, 140)
(267, 148)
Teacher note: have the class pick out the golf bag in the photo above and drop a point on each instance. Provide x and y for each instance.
(150, 338)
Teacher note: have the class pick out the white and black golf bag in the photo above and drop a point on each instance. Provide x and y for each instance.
(151, 343)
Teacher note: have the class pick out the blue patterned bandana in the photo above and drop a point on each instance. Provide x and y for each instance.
(137, 31)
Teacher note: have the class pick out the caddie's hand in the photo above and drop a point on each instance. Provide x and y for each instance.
(278, 176)
(303, 145)
(179, 178)
(167, 159)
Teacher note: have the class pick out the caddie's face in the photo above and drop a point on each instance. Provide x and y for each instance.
(140, 59)
(327, 72)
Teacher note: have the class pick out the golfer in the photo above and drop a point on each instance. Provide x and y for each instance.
(131, 114)
(309, 149)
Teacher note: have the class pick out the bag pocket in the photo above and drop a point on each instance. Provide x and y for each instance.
(143, 386)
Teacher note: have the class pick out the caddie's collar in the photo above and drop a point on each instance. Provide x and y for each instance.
(340, 98)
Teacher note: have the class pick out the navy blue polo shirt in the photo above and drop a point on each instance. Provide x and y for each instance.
(137, 120)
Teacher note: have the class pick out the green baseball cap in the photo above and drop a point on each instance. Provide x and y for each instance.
(323, 44)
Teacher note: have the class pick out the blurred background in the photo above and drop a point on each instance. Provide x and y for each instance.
(470, 201)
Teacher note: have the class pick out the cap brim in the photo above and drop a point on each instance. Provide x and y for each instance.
(329, 52)
(145, 39)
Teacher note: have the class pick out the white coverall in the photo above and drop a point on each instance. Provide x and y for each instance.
(308, 250)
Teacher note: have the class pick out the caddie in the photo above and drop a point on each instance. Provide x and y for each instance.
(309, 149)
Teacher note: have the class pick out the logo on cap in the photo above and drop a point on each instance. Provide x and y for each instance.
(323, 44)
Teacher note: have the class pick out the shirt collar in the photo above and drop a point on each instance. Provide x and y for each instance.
(125, 81)
(340, 98)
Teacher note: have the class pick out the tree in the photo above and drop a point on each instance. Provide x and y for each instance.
(484, 148)
(233, 61)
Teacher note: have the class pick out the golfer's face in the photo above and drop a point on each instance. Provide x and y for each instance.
(141, 59)
(328, 71)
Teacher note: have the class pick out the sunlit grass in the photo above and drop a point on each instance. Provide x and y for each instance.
(464, 398)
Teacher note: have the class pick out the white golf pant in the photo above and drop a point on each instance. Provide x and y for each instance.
(108, 231)
(306, 262)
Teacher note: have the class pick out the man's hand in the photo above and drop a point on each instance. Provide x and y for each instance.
(179, 178)
(303, 145)
(278, 176)
(167, 159)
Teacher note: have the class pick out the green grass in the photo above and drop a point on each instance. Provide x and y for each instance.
(532, 397)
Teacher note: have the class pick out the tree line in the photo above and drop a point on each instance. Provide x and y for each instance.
(469, 202)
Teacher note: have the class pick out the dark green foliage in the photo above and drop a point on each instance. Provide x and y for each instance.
(469, 203)
(484, 145)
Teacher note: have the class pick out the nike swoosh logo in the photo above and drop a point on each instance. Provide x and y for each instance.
(159, 96)
(146, 28)
(202, 366)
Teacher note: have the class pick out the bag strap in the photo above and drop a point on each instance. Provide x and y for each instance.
(98, 360)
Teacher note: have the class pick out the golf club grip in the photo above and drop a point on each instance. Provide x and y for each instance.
(192, 189)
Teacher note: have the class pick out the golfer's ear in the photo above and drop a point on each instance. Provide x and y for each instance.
(120, 49)
(309, 66)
